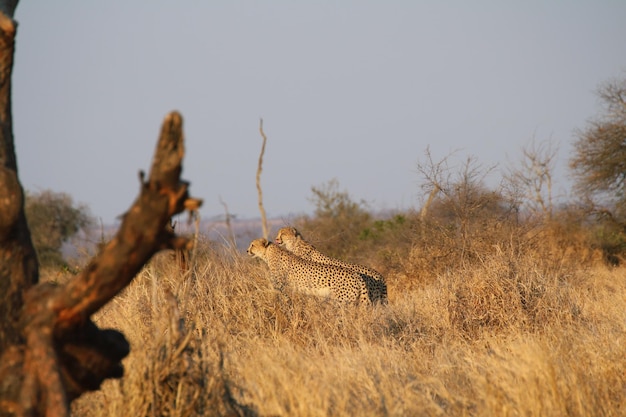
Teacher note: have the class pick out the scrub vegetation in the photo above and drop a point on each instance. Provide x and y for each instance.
(524, 322)
(503, 301)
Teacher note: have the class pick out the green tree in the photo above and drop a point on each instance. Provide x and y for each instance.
(53, 219)
(599, 160)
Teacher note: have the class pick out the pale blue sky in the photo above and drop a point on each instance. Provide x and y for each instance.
(352, 90)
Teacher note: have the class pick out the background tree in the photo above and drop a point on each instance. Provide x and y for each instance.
(461, 213)
(599, 161)
(599, 168)
(338, 220)
(53, 219)
(331, 203)
(530, 182)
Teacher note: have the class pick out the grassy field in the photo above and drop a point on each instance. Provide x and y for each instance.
(512, 333)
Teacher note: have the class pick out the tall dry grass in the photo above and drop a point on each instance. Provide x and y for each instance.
(509, 334)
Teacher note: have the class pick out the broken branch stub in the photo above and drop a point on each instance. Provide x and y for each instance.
(143, 231)
(66, 354)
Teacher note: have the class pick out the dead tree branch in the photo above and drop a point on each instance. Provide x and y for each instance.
(258, 183)
(64, 353)
(51, 350)
(436, 175)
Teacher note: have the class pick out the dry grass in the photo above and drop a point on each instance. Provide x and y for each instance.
(504, 336)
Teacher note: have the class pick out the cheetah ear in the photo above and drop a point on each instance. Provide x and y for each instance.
(265, 242)
(295, 232)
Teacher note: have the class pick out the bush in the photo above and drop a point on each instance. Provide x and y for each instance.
(337, 223)
(53, 219)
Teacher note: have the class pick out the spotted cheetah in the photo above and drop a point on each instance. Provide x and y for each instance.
(331, 281)
(292, 240)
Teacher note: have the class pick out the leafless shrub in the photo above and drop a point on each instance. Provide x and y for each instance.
(531, 182)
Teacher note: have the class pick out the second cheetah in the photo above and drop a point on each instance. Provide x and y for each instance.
(331, 281)
(293, 241)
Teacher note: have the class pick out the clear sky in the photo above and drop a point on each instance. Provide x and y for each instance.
(354, 90)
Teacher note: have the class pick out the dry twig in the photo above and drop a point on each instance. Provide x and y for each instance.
(258, 183)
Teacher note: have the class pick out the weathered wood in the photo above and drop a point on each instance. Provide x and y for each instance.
(18, 260)
(51, 351)
(143, 232)
(64, 353)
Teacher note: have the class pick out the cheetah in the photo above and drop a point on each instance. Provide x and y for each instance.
(292, 240)
(334, 282)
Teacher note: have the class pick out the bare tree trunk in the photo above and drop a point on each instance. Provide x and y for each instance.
(51, 351)
(64, 353)
(18, 261)
(258, 183)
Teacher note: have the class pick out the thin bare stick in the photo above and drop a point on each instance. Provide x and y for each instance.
(229, 226)
(258, 183)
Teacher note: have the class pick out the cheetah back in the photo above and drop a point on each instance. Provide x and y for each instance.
(294, 242)
(310, 277)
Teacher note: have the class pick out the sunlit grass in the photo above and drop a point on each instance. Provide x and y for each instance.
(491, 338)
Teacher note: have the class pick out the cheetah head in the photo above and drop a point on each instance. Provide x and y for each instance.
(287, 235)
(257, 247)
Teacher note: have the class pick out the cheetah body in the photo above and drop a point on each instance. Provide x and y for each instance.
(292, 240)
(306, 276)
